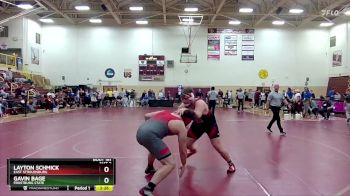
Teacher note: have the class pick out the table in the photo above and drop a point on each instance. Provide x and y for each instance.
(161, 103)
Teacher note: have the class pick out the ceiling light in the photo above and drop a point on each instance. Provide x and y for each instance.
(95, 20)
(326, 24)
(25, 6)
(136, 8)
(234, 22)
(46, 20)
(246, 10)
(191, 9)
(278, 22)
(347, 12)
(296, 11)
(82, 7)
(142, 22)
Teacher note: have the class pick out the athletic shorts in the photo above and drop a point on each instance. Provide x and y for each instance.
(208, 126)
(148, 135)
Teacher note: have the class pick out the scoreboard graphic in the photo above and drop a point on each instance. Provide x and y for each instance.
(61, 174)
(151, 68)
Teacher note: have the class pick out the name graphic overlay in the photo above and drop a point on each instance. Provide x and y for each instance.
(61, 174)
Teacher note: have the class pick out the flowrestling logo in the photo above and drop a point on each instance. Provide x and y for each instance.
(341, 11)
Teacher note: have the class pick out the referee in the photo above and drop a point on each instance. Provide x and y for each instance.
(274, 101)
(212, 98)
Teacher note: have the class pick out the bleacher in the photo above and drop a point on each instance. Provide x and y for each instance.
(21, 79)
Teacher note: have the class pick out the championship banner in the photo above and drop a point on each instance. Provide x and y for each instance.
(248, 47)
(230, 31)
(230, 45)
(214, 47)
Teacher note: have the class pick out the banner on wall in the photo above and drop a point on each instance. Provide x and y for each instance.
(35, 58)
(3, 46)
(230, 45)
(127, 73)
(230, 31)
(214, 47)
(337, 58)
(248, 47)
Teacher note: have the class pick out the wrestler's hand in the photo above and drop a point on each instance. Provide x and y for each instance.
(181, 111)
(182, 170)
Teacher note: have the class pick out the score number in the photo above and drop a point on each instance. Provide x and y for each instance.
(106, 170)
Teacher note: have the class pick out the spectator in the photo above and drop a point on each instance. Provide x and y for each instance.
(257, 98)
(229, 97)
(3, 106)
(297, 107)
(132, 98)
(3, 75)
(144, 100)
(28, 106)
(337, 96)
(168, 96)
(94, 99)
(9, 75)
(160, 95)
(289, 94)
(327, 108)
(262, 99)
(347, 103)
(115, 94)
(331, 94)
(52, 94)
(314, 107)
(3, 93)
(312, 94)
(220, 97)
(143, 94)
(306, 100)
(297, 95)
(199, 94)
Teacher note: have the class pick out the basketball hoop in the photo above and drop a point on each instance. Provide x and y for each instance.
(188, 58)
(189, 21)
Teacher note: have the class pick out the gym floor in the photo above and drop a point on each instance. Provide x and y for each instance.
(313, 159)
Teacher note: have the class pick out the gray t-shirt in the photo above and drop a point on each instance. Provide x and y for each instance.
(240, 95)
(212, 95)
(275, 99)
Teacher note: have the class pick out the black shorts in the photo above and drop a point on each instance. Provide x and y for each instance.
(208, 126)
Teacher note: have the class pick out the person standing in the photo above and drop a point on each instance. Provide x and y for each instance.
(306, 100)
(263, 99)
(221, 96)
(240, 98)
(274, 101)
(212, 97)
(347, 103)
(257, 98)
